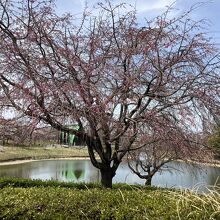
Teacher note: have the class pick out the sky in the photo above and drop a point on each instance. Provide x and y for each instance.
(209, 10)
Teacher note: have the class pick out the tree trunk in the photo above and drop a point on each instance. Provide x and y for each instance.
(148, 181)
(106, 177)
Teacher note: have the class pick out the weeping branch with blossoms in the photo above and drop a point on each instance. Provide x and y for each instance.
(109, 76)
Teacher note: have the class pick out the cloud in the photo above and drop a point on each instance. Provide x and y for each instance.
(77, 6)
(150, 5)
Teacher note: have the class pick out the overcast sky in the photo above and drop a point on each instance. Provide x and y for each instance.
(210, 10)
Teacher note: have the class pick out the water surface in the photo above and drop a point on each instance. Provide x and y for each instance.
(178, 174)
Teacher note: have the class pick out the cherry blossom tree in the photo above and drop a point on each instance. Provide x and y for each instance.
(108, 75)
(170, 143)
(18, 130)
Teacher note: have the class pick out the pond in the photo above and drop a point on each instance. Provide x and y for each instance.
(179, 174)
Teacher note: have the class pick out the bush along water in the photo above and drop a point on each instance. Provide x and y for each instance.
(28, 199)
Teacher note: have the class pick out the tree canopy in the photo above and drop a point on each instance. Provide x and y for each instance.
(124, 85)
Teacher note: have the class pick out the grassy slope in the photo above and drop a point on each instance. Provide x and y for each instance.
(26, 199)
(19, 153)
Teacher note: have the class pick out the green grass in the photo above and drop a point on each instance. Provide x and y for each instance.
(22, 153)
(35, 199)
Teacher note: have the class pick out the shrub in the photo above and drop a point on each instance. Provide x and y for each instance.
(36, 199)
(64, 203)
(25, 183)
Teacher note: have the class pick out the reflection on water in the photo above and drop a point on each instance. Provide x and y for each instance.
(180, 176)
(61, 170)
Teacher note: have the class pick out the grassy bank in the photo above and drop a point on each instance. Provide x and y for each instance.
(22, 153)
(27, 199)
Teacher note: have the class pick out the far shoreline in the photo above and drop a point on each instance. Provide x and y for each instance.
(21, 161)
(215, 163)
